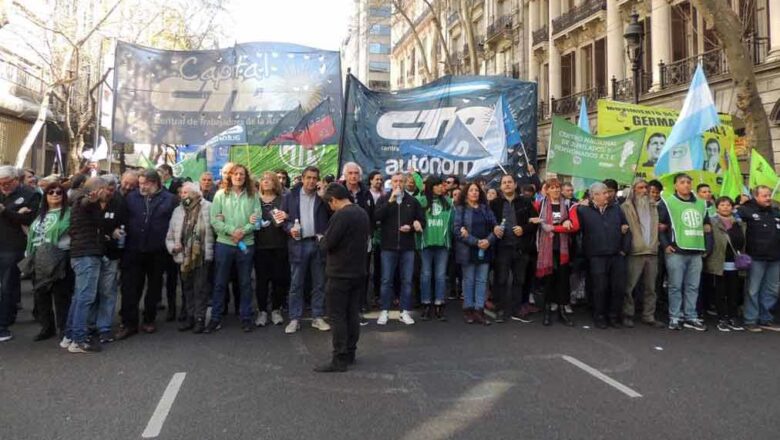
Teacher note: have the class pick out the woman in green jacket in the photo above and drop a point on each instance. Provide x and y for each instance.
(48, 242)
(434, 244)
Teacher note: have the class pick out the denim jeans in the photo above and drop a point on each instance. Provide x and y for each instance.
(434, 269)
(87, 273)
(474, 285)
(224, 257)
(404, 262)
(311, 260)
(102, 313)
(684, 274)
(761, 295)
(10, 287)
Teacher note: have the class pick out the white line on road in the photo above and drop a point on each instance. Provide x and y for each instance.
(155, 424)
(601, 376)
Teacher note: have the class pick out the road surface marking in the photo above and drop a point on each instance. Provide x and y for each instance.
(155, 424)
(601, 376)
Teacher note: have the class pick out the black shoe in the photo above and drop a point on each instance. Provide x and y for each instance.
(106, 337)
(547, 320)
(601, 324)
(213, 327)
(564, 318)
(426, 312)
(351, 359)
(126, 333)
(186, 325)
(171, 315)
(330, 368)
(615, 323)
(247, 327)
(628, 322)
(439, 311)
(200, 326)
(499, 317)
(44, 335)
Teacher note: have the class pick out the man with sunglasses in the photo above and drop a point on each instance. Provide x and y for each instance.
(18, 207)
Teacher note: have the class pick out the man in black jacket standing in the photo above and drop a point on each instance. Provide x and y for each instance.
(346, 270)
(362, 197)
(606, 243)
(18, 207)
(763, 245)
(517, 236)
(400, 216)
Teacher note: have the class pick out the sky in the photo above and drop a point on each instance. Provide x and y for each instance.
(321, 24)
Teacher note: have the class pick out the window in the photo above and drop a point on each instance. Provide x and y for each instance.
(681, 23)
(600, 50)
(380, 29)
(568, 75)
(379, 85)
(586, 59)
(379, 48)
(383, 11)
(379, 66)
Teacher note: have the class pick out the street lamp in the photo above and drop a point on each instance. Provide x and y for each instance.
(634, 36)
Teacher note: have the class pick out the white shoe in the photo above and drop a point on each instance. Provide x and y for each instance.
(320, 324)
(382, 320)
(292, 327)
(406, 318)
(568, 310)
(276, 317)
(261, 320)
(65, 342)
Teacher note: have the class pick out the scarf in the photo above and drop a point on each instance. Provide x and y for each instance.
(191, 239)
(545, 240)
(728, 222)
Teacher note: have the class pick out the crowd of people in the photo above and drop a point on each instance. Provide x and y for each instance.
(667, 256)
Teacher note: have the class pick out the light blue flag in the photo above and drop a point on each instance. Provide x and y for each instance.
(684, 150)
(581, 184)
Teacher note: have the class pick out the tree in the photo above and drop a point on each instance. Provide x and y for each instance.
(729, 29)
(405, 14)
(467, 24)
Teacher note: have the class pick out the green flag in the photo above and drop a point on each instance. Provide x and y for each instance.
(732, 180)
(191, 167)
(144, 162)
(761, 172)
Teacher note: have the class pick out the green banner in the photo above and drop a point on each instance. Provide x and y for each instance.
(292, 158)
(577, 153)
(615, 117)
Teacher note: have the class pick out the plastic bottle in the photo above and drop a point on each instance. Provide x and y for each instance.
(481, 254)
(120, 242)
(297, 227)
(242, 246)
(503, 225)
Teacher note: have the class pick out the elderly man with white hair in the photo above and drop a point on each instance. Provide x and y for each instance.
(190, 240)
(18, 207)
(605, 242)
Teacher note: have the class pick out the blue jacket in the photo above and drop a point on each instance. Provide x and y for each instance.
(601, 233)
(147, 221)
(463, 246)
(291, 204)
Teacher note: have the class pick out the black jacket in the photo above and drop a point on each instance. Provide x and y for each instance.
(147, 220)
(13, 237)
(345, 243)
(763, 231)
(114, 217)
(364, 199)
(86, 227)
(601, 232)
(524, 211)
(392, 216)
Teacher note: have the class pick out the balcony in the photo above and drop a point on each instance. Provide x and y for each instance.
(680, 72)
(542, 111)
(498, 27)
(577, 14)
(540, 35)
(571, 104)
(623, 90)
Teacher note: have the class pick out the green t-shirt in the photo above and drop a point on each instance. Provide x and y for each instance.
(687, 222)
(51, 229)
(438, 224)
(231, 211)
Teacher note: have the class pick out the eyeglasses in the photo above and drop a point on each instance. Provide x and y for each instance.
(54, 192)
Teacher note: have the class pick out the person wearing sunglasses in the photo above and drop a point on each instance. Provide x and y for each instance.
(48, 246)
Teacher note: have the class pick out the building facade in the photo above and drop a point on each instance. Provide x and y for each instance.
(366, 49)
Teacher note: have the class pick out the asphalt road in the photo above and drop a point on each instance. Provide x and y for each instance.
(428, 381)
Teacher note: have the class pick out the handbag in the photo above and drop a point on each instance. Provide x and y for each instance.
(742, 261)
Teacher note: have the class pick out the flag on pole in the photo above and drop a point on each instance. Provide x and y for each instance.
(144, 162)
(732, 180)
(761, 172)
(581, 184)
(683, 150)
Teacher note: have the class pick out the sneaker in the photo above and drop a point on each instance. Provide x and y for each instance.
(382, 320)
(674, 325)
(628, 322)
(200, 326)
(468, 316)
(292, 327)
(262, 319)
(65, 342)
(83, 347)
(753, 328)
(363, 320)
(568, 310)
(723, 326)
(499, 319)
(734, 325)
(213, 327)
(276, 317)
(553, 307)
(247, 327)
(695, 324)
(106, 337)
(771, 326)
(320, 324)
(6, 335)
(521, 318)
(406, 318)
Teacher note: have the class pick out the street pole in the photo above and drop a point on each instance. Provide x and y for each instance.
(99, 103)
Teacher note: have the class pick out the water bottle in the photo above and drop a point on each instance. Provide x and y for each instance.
(481, 254)
(503, 225)
(297, 227)
(120, 242)
(242, 246)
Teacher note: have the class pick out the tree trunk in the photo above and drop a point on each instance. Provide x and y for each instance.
(728, 28)
(75, 147)
(417, 40)
(468, 31)
(440, 37)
